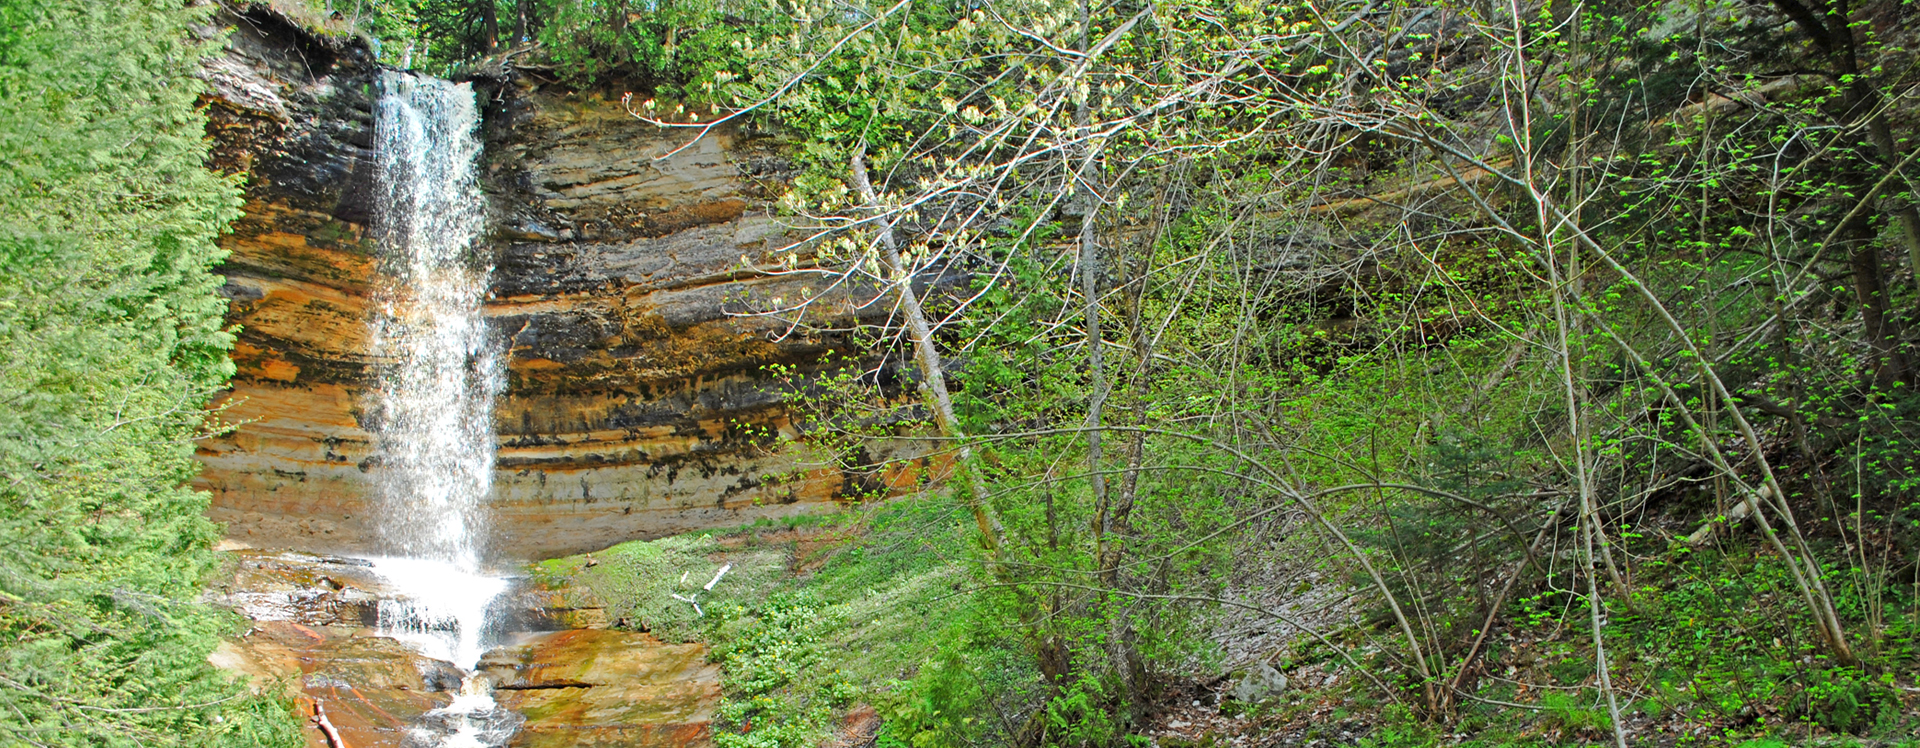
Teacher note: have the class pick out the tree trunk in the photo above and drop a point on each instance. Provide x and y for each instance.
(1831, 28)
(933, 378)
(489, 25)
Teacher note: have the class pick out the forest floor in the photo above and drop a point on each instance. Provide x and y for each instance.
(1708, 653)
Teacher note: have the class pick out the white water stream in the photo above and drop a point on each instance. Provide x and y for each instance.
(432, 406)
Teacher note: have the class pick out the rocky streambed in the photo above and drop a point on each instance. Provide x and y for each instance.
(316, 634)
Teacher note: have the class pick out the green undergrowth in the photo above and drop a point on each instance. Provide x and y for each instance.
(816, 616)
(879, 606)
(1713, 649)
(1724, 641)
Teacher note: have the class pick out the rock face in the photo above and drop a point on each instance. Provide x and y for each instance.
(311, 616)
(371, 689)
(302, 588)
(624, 285)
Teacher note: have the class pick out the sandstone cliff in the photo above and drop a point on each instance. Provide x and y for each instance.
(637, 403)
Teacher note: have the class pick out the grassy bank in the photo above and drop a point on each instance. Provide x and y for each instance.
(818, 616)
(820, 622)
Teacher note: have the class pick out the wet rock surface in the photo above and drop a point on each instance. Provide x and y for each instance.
(315, 635)
(372, 689)
(637, 404)
(302, 588)
(606, 688)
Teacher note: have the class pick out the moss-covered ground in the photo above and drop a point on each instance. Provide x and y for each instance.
(815, 616)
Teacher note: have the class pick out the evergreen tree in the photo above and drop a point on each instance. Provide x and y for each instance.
(113, 340)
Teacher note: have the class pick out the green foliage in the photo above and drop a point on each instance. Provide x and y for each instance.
(1302, 291)
(394, 28)
(637, 582)
(114, 341)
(1083, 715)
(880, 624)
(678, 49)
(765, 650)
(1574, 711)
(934, 658)
(877, 623)
(1400, 728)
(945, 701)
(1726, 640)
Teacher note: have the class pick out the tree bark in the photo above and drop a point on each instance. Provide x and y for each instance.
(489, 26)
(1830, 27)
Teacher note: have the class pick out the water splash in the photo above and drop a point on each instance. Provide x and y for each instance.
(473, 720)
(438, 608)
(432, 408)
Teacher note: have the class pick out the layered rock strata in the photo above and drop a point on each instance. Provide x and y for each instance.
(629, 265)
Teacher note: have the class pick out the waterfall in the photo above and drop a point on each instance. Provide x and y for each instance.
(439, 372)
(432, 405)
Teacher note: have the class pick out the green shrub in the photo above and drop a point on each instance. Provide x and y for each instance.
(780, 692)
(114, 340)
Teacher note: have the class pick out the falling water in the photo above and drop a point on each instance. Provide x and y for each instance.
(439, 372)
(433, 405)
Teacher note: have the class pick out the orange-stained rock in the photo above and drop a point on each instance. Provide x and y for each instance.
(310, 636)
(606, 688)
(858, 728)
(372, 688)
(311, 617)
(630, 280)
